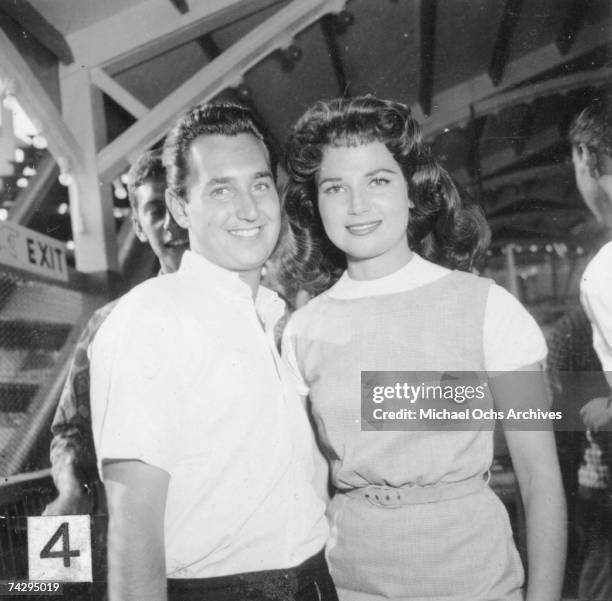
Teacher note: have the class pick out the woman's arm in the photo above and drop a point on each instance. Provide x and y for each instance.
(535, 462)
(136, 494)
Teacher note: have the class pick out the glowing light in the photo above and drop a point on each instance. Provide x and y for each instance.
(533, 248)
(63, 208)
(70, 245)
(39, 142)
(65, 178)
(124, 178)
(3, 214)
(19, 155)
(10, 103)
(29, 171)
(22, 182)
(120, 193)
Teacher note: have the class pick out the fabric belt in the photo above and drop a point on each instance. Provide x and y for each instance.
(309, 580)
(411, 494)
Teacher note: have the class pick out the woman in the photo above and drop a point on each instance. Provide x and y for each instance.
(412, 516)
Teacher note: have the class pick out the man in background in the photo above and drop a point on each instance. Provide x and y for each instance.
(73, 461)
(591, 139)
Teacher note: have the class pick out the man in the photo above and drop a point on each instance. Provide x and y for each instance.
(204, 447)
(591, 139)
(73, 462)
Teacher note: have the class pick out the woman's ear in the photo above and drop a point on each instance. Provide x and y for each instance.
(177, 209)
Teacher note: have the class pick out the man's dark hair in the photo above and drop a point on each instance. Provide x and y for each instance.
(593, 125)
(147, 168)
(207, 119)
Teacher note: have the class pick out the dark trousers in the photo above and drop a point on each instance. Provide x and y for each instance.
(309, 581)
(594, 518)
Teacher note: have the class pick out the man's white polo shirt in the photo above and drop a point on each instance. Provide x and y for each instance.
(185, 378)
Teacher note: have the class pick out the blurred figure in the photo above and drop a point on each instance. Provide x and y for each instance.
(575, 376)
(73, 460)
(591, 139)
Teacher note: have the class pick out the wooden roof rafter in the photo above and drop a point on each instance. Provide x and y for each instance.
(212, 51)
(571, 25)
(161, 28)
(428, 36)
(453, 105)
(38, 105)
(501, 48)
(181, 6)
(222, 72)
(36, 25)
(329, 33)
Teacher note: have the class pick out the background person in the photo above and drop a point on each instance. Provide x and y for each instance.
(591, 139)
(412, 517)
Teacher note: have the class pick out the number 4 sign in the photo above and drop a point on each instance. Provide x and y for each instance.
(59, 548)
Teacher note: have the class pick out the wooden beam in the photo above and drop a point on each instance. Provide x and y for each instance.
(34, 23)
(504, 159)
(91, 202)
(30, 199)
(453, 105)
(427, 49)
(181, 6)
(209, 46)
(212, 51)
(571, 25)
(160, 28)
(118, 93)
(329, 33)
(557, 170)
(501, 48)
(224, 71)
(527, 94)
(37, 104)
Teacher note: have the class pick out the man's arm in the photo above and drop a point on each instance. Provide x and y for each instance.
(73, 458)
(136, 495)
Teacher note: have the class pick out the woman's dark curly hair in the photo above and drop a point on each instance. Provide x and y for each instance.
(442, 228)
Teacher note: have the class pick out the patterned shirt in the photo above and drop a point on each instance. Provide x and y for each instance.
(72, 437)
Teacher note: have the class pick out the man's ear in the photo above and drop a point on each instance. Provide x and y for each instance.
(590, 160)
(138, 228)
(177, 209)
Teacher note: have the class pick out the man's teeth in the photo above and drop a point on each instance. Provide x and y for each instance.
(246, 233)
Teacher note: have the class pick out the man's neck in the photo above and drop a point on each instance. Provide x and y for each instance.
(251, 279)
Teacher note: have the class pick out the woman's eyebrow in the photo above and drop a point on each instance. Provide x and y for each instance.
(329, 179)
(381, 169)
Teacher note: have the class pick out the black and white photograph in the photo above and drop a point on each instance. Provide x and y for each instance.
(306, 300)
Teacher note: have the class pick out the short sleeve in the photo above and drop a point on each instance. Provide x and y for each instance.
(596, 297)
(511, 337)
(135, 364)
(289, 356)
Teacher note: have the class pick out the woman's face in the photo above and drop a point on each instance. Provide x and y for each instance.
(364, 206)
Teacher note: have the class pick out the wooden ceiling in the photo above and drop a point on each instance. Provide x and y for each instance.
(494, 82)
